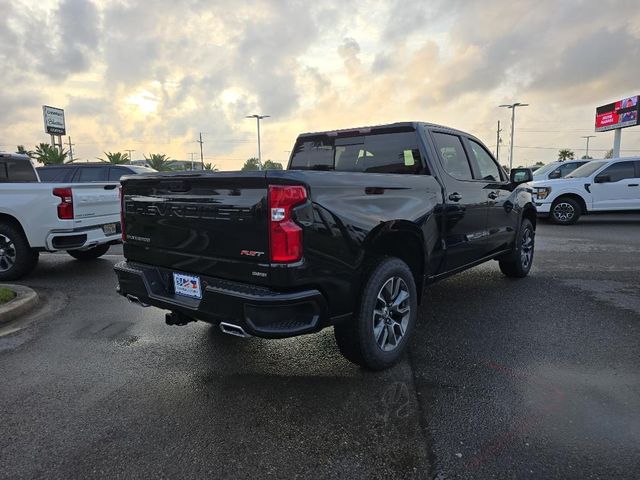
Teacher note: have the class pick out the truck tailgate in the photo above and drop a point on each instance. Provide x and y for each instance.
(92, 202)
(210, 224)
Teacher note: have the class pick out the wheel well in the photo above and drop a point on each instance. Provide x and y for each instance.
(405, 246)
(6, 218)
(530, 214)
(577, 198)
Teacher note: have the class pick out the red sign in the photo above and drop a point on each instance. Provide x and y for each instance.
(620, 114)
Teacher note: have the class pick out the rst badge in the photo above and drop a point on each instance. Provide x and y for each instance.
(251, 253)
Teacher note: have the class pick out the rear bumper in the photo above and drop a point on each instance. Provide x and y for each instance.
(259, 311)
(80, 238)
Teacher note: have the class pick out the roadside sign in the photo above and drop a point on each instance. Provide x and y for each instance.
(53, 120)
(620, 114)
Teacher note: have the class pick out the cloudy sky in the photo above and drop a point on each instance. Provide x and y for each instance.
(150, 75)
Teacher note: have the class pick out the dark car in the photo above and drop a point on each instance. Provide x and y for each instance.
(350, 235)
(88, 172)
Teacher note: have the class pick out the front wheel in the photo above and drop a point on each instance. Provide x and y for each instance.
(518, 263)
(378, 335)
(91, 253)
(565, 211)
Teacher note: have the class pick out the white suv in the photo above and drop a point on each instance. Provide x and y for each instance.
(599, 186)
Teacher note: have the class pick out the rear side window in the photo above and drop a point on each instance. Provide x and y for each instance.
(452, 156)
(619, 171)
(19, 171)
(116, 172)
(568, 168)
(56, 174)
(3, 172)
(93, 174)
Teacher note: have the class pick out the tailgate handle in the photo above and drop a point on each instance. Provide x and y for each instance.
(176, 186)
(110, 187)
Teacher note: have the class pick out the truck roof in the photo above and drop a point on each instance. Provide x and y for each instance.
(381, 129)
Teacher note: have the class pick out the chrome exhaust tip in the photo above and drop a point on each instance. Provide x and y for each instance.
(235, 330)
(136, 300)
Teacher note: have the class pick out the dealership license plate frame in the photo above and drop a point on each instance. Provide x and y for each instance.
(187, 285)
(110, 228)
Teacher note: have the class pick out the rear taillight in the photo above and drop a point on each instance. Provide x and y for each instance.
(285, 236)
(122, 228)
(65, 207)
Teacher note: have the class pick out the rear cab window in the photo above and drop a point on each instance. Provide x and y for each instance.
(374, 152)
(92, 174)
(17, 170)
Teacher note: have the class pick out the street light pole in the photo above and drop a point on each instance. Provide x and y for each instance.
(258, 118)
(513, 107)
(587, 137)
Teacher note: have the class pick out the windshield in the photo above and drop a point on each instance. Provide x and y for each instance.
(585, 170)
(545, 168)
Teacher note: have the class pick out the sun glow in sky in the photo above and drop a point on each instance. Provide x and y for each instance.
(151, 77)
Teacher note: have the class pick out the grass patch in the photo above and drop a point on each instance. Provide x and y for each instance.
(6, 295)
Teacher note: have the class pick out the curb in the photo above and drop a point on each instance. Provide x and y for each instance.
(26, 299)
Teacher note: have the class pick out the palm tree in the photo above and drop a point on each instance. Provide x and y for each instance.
(117, 158)
(157, 161)
(49, 155)
(566, 154)
(211, 166)
(23, 151)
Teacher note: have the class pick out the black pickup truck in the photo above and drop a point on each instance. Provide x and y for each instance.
(349, 235)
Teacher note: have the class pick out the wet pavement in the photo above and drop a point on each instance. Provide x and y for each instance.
(534, 378)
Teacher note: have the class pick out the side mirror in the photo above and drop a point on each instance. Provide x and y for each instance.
(554, 174)
(520, 175)
(602, 178)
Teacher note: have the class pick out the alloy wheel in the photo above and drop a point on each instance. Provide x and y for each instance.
(564, 212)
(391, 314)
(7, 253)
(526, 248)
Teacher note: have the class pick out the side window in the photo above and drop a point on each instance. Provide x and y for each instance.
(21, 171)
(488, 168)
(567, 169)
(93, 174)
(619, 171)
(3, 172)
(452, 156)
(116, 172)
(390, 153)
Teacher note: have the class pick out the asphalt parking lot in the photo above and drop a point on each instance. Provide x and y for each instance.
(534, 378)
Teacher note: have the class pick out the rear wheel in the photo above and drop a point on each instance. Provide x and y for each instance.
(16, 256)
(91, 253)
(519, 262)
(565, 211)
(378, 335)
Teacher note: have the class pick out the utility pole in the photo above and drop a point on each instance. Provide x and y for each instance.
(70, 148)
(513, 107)
(192, 154)
(258, 118)
(587, 137)
(498, 140)
(201, 156)
(130, 153)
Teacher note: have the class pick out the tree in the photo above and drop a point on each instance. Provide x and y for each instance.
(586, 157)
(20, 149)
(117, 158)
(251, 164)
(270, 165)
(609, 154)
(539, 164)
(566, 154)
(49, 155)
(157, 161)
(211, 167)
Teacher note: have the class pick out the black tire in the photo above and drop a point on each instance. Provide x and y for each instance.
(518, 263)
(90, 254)
(372, 346)
(565, 211)
(17, 258)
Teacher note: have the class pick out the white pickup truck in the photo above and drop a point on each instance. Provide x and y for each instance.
(598, 186)
(81, 218)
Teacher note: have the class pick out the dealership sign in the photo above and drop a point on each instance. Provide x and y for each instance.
(53, 120)
(620, 114)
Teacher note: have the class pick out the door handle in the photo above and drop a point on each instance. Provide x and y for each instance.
(632, 185)
(455, 197)
(493, 195)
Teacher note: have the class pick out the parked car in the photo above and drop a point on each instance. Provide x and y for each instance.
(88, 172)
(83, 219)
(557, 169)
(598, 186)
(348, 236)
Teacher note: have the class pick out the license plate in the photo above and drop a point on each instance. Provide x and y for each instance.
(187, 285)
(109, 229)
